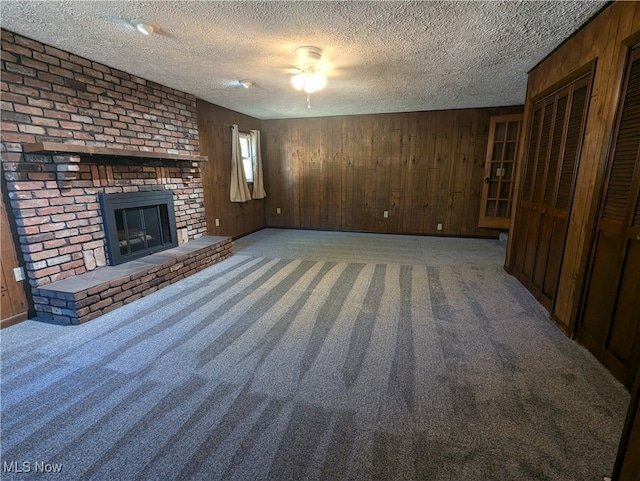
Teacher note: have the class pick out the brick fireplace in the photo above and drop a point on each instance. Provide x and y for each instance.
(72, 130)
(61, 230)
(55, 202)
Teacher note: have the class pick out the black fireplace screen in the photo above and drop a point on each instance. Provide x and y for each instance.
(138, 224)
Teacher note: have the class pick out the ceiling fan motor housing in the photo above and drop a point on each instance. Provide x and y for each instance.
(308, 55)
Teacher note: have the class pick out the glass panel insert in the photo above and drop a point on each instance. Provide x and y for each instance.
(123, 243)
(491, 207)
(135, 233)
(493, 190)
(505, 190)
(508, 170)
(497, 151)
(152, 226)
(138, 224)
(165, 225)
(503, 209)
(143, 228)
(245, 152)
(510, 151)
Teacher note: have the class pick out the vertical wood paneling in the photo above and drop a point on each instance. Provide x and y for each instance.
(605, 39)
(395, 181)
(13, 306)
(407, 172)
(214, 129)
(424, 168)
(424, 174)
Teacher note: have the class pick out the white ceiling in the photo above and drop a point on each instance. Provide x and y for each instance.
(381, 56)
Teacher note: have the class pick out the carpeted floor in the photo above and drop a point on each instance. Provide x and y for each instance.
(315, 355)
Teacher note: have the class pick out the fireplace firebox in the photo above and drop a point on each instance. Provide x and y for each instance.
(138, 224)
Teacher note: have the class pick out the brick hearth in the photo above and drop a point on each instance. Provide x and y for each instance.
(87, 296)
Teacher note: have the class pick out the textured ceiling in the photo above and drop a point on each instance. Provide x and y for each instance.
(380, 56)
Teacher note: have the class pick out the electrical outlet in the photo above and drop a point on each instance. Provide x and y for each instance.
(18, 274)
(439, 227)
(217, 222)
(385, 214)
(278, 210)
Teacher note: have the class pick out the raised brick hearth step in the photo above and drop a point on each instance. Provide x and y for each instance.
(87, 296)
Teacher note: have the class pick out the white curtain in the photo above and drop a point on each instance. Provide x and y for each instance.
(258, 182)
(239, 188)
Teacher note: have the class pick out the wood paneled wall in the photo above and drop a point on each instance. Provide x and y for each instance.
(236, 219)
(606, 40)
(342, 173)
(14, 306)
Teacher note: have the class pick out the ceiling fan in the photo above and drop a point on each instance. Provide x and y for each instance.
(308, 75)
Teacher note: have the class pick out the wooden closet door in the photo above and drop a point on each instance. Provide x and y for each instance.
(558, 190)
(524, 210)
(552, 161)
(627, 467)
(534, 193)
(609, 324)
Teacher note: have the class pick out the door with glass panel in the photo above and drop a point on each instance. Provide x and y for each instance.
(500, 168)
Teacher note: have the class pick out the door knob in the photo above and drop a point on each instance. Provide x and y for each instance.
(487, 180)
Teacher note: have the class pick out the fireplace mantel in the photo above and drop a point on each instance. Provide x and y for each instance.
(62, 148)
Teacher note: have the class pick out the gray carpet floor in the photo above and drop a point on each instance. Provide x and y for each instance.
(315, 355)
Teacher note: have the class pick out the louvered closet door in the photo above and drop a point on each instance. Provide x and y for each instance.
(610, 316)
(524, 210)
(552, 161)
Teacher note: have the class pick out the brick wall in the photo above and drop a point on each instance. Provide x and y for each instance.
(49, 95)
(57, 211)
(52, 95)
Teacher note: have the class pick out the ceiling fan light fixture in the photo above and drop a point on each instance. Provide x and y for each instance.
(308, 78)
(315, 82)
(143, 27)
(299, 80)
(309, 54)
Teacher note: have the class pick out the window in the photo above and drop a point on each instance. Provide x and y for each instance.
(247, 158)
